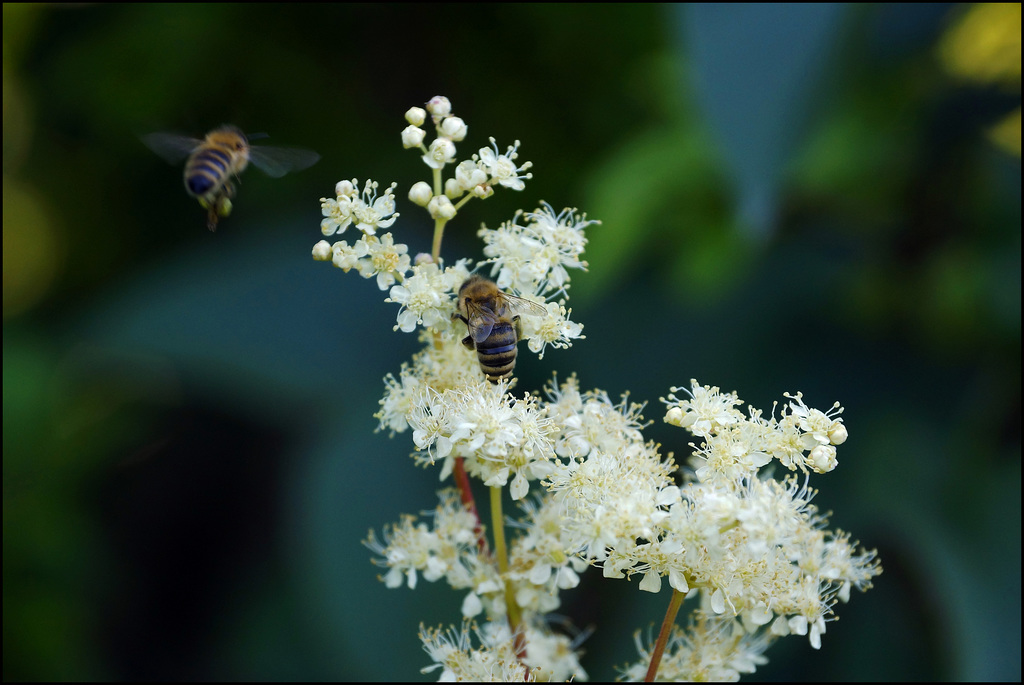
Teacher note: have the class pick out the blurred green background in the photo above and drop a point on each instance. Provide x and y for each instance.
(819, 198)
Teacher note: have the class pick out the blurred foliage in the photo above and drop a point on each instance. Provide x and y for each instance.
(815, 198)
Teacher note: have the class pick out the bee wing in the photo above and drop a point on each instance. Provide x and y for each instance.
(480, 326)
(520, 305)
(480, 322)
(278, 161)
(173, 147)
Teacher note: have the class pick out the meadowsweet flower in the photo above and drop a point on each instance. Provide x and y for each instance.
(346, 257)
(553, 329)
(755, 548)
(411, 547)
(707, 410)
(440, 152)
(375, 212)
(443, 366)
(426, 296)
(709, 650)
(368, 212)
(590, 420)
(502, 438)
(542, 556)
(549, 657)
(338, 214)
(502, 167)
(468, 175)
(383, 258)
(533, 252)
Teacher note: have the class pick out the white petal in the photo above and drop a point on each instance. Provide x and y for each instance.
(651, 581)
(718, 601)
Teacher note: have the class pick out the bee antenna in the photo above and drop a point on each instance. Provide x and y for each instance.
(257, 136)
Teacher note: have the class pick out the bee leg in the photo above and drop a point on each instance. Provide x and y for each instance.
(468, 340)
(517, 322)
(217, 206)
(212, 218)
(211, 204)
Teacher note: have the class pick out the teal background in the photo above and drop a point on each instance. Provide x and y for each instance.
(792, 197)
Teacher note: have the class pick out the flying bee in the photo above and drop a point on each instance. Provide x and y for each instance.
(494, 324)
(215, 162)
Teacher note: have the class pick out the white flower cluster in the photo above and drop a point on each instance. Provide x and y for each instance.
(498, 435)
(451, 550)
(368, 212)
(549, 656)
(425, 295)
(371, 255)
(709, 650)
(530, 259)
(411, 548)
(742, 445)
(754, 548)
(533, 257)
(753, 552)
(426, 289)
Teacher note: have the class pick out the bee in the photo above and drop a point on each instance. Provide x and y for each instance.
(215, 162)
(492, 318)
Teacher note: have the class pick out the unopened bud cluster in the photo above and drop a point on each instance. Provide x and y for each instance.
(475, 176)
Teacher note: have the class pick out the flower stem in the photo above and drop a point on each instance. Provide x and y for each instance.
(666, 629)
(439, 222)
(435, 253)
(462, 480)
(514, 617)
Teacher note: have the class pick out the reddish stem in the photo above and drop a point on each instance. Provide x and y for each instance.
(666, 629)
(462, 480)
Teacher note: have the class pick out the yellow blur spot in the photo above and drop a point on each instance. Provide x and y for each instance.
(32, 255)
(984, 48)
(1006, 134)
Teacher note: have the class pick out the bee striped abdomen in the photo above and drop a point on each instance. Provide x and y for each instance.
(497, 354)
(207, 170)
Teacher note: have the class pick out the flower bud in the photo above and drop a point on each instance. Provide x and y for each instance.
(322, 251)
(454, 128)
(416, 116)
(822, 458)
(412, 136)
(420, 193)
(439, 106)
(838, 434)
(440, 207)
(453, 189)
(345, 189)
